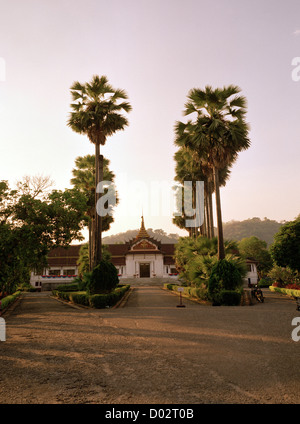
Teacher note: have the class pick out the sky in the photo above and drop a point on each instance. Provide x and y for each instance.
(156, 50)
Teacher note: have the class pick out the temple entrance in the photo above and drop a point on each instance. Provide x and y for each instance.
(144, 270)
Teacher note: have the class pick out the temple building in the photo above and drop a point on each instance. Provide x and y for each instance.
(143, 257)
(139, 258)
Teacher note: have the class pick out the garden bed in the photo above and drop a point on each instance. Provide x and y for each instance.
(288, 292)
(8, 301)
(98, 301)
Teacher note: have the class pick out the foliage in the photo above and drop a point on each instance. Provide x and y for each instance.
(104, 278)
(195, 258)
(224, 276)
(83, 261)
(289, 292)
(283, 276)
(84, 180)
(30, 226)
(230, 297)
(8, 300)
(254, 248)
(96, 300)
(286, 248)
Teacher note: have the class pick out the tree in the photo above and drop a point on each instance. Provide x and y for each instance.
(31, 227)
(84, 180)
(218, 134)
(96, 113)
(253, 247)
(286, 248)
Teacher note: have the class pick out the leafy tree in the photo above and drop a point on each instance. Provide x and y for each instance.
(252, 247)
(96, 113)
(31, 227)
(286, 247)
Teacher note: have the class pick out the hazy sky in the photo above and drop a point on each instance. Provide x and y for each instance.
(157, 51)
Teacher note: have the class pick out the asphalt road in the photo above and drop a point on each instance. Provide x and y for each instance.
(149, 351)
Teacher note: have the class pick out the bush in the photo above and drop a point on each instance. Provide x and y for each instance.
(79, 298)
(103, 279)
(8, 300)
(103, 300)
(68, 287)
(97, 300)
(230, 297)
(224, 276)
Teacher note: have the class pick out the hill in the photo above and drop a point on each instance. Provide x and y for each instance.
(234, 230)
(263, 229)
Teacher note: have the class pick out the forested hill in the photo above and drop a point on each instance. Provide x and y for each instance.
(263, 229)
(234, 230)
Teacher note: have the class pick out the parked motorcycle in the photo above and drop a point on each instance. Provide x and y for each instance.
(257, 293)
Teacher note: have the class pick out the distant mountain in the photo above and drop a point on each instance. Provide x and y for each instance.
(234, 230)
(263, 229)
(159, 235)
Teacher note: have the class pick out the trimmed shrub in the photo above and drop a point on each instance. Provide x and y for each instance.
(224, 276)
(230, 297)
(104, 300)
(103, 279)
(79, 298)
(68, 287)
(8, 300)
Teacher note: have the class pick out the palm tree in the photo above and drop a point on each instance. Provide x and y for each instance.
(219, 133)
(191, 165)
(84, 180)
(96, 113)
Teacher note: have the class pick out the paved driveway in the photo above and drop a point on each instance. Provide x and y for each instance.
(150, 351)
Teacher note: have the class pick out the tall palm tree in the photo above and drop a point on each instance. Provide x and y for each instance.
(220, 132)
(96, 112)
(84, 180)
(192, 165)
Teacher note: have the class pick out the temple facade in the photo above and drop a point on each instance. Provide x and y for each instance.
(139, 258)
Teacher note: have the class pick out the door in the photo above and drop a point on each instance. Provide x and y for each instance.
(144, 270)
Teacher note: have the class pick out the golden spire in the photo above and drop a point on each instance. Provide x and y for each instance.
(142, 233)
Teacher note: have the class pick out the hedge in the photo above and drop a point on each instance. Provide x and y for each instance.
(289, 292)
(226, 297)
(98, 301)
(8, 300)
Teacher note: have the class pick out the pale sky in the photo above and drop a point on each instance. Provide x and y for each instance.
(156, 51)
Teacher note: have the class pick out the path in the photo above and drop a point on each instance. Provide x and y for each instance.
(149, 351)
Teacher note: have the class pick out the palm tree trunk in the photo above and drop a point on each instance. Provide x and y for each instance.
(207, 217)
(96, 219)
(210, 208)
(99, 234)
(90, 244)
(221, 249)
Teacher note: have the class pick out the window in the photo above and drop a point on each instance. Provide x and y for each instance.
(54, 271)
(69, 271)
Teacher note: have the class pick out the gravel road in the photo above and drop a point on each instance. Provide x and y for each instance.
(149, 352)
